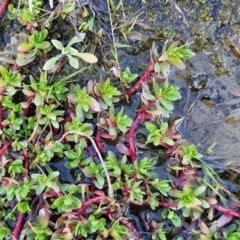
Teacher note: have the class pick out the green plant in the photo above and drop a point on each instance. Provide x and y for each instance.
(85, 104)
(126, 32)
(36, 45)
(118, 231)
(26, 15)
(113, 165)
(87, 26)
(16, 167)
(127, 77)
(4, 231)
(9, 81)
(171, 56)
(115, 7)
(189, 199)
(190, 153)
(158, 136)
(66, 203)
(172, 216)
(160, 101)
(42, 181)
(75, 157)
(39, 228)
(94, 171)
(105, 92)
(78, 126)
(232, 232)
(113, 123)
(69, 52)
(49, 115)
(159, 234)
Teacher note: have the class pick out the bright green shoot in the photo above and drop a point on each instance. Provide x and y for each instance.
(70, 53)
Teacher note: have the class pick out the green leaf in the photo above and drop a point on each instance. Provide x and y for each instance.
(76, 39)
(157, 67)
(87, 57)
(100, 178)
(176, 220)
(24, 47)
(37, 100)
(51, 62)
(175, 193)
(165, 68)
(73, 51)
(43, 34)
(187, 53)
(43, 45)
(73, 61)
(57, 44)
(199, 191)
(79, 111)
(22, 62)
(24, 207)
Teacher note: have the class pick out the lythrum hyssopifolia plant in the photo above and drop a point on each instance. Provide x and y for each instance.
(70, 53)
(57, 180)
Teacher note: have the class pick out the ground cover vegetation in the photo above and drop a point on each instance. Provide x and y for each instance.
(45, 117)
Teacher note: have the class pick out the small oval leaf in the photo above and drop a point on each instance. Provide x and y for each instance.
(87, 57)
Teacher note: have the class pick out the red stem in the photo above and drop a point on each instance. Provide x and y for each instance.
(179, 179)
(15, 68)
(132, 151)
(98, 140)
(131, 227)
(91, 201)
(18, 226)
(5, 146)
(162, 204)
(143, 79)
(3, 7)
(226, 211)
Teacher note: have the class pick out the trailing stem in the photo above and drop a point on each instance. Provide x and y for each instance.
(3, 7)
(91, 201)
(20, 218)
(5, 146)
(163, 204)
(132, 151)
(98, 140)
(226, 211)
(143, 79)
(18, 226)
(131, 227)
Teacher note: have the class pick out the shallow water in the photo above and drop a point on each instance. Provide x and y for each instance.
(211, 79)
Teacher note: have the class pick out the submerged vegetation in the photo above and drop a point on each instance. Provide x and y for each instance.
(48, 116)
